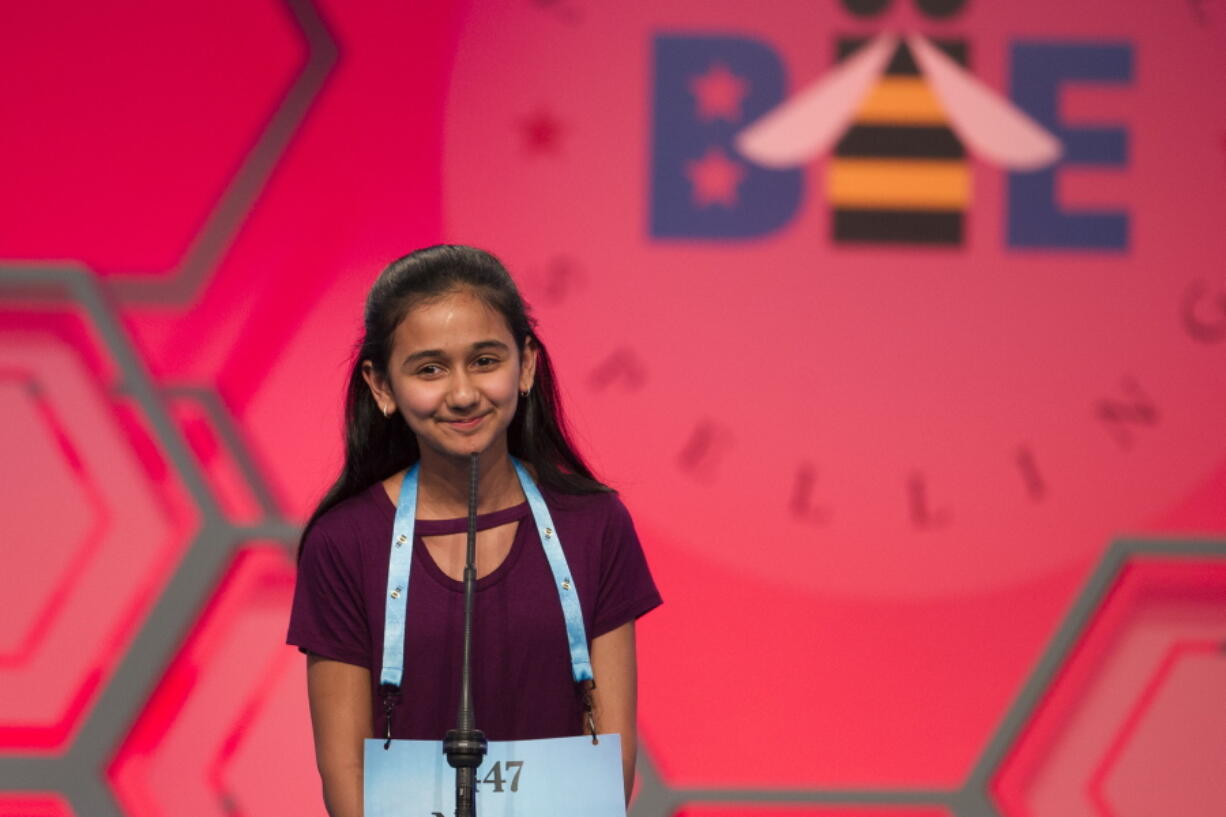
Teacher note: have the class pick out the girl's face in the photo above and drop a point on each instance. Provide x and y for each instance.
(455, 375)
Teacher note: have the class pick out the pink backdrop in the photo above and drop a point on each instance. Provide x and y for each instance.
(946, 510)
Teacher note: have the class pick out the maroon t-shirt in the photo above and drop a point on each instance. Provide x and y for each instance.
(521, 675)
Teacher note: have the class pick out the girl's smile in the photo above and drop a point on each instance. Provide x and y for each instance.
(465, 425)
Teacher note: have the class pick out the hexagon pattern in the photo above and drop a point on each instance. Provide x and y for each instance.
(198, 198)
(1131, 724)
(96, 532)
(226, 717)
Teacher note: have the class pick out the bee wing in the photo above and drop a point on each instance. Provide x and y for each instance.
(990, 125)
(810, 121)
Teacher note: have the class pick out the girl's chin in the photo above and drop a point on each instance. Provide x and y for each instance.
(464, 449)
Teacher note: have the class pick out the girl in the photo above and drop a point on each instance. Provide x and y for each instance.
(450, 365)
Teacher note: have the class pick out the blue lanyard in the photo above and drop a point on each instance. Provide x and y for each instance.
(401, 563)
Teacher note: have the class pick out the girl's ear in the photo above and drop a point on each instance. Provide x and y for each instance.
(379, 389)
(527, 365)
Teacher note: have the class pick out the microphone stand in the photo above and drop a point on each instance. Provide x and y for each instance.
(465, 745)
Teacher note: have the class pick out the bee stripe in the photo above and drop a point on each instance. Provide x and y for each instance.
(906, 100)
(898, 184)
(899, 174)
(900, 142)
(898, 226)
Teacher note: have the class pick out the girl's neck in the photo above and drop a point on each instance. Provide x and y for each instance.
(442, 491)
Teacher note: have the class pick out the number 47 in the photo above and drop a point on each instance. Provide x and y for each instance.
(494, 775)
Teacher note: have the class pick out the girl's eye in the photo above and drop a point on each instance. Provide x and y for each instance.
(429, 369)
(485, 361)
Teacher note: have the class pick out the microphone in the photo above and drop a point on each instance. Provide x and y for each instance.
(465, 746)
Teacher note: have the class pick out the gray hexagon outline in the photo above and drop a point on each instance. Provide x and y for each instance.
(79, 774)
(1067, 636)
(974, 799)
(225, 218)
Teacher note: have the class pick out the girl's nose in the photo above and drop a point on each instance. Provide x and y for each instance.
(462, 393)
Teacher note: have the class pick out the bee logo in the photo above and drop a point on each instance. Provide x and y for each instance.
(900, 115)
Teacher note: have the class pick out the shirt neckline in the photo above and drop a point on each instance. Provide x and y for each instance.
(442, 527)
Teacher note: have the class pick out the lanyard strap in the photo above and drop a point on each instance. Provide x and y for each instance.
(568, 594)
(398, 567)
(401, 562)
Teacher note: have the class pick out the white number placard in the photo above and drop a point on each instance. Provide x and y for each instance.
(541, 778)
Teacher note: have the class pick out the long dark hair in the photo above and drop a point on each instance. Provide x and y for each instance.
(377, 446)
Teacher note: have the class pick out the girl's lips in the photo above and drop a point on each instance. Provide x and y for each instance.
(465, 425)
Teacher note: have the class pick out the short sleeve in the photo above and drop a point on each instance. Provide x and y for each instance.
(626, 589)
(328, 617)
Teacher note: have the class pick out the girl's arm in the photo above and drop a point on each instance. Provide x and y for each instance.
(616, 693)
(339, 694)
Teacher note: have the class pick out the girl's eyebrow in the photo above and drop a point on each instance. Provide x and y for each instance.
(476, 347)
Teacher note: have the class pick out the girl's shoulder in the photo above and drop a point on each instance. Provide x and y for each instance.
(355, 521)
(602, 502)
(598, 513)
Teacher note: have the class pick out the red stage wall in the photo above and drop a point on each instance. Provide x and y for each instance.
(900, 325)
